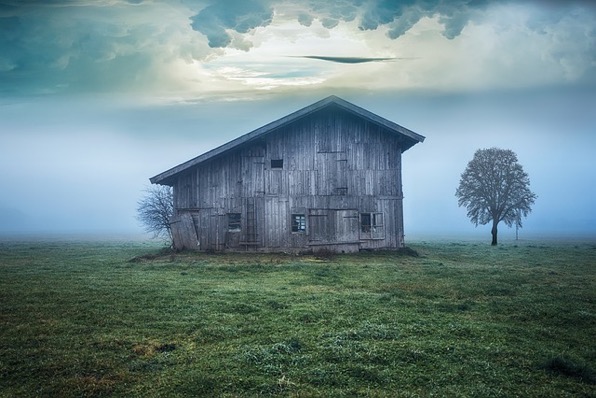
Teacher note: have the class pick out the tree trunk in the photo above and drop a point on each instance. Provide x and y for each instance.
(494, 233)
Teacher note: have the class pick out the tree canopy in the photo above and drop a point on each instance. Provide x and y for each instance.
(494, 187)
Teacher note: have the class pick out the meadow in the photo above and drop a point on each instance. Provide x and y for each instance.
(448, 319)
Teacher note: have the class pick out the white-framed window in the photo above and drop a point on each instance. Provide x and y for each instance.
(298, 223)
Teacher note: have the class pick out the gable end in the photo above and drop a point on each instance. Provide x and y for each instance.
(407, 137)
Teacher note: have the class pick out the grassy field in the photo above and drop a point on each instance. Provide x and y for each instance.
(462, 319)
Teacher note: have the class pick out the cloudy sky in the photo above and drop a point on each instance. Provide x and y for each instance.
(98, 96)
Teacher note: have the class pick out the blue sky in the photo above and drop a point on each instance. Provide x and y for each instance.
(98, 96)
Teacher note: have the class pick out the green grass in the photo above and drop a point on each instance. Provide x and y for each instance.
(462, 319)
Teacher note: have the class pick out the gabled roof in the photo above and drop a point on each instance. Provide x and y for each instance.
(409, 137)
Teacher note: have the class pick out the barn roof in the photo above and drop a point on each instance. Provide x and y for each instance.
(409, 137)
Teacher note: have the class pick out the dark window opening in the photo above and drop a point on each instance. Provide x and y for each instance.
(277, 163)
(234, 222)
(365, 222)
(371, 226)
(298, 223)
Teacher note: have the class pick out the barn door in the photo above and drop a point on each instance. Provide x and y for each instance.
(217, 228)
(277, 222)
(318, 225)
(183, 230)
(333, 226)
(346, 226)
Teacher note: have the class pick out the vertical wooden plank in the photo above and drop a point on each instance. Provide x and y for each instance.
(271, 221)
(203, 228)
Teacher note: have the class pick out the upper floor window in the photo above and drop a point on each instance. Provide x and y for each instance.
(277, 163)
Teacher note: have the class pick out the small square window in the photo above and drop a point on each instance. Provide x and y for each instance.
(234, 222)
(298, 223)
(277, 163)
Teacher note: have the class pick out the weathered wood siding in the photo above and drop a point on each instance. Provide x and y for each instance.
(336, 166)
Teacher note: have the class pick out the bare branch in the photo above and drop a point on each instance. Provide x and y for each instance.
(156, 209)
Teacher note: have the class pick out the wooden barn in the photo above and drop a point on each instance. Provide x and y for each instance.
(326, 177)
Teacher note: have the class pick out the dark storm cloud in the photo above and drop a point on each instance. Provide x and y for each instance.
(400, 16)
(238, 15)
(397, 16)
(329, 23)
(305, 19)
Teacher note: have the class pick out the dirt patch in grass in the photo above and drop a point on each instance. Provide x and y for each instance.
(407, 251)
(166, 252)
(150, 348)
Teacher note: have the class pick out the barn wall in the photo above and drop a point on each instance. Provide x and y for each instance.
(335, 167)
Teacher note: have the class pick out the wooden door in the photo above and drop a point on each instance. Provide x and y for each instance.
(318, 225)
(217, 228)
(277, 227)
(346, 226)
(333, 226)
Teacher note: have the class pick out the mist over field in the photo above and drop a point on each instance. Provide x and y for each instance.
(96, 98)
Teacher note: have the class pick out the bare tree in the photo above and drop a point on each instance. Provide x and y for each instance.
(494, 187)
(155, 210)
